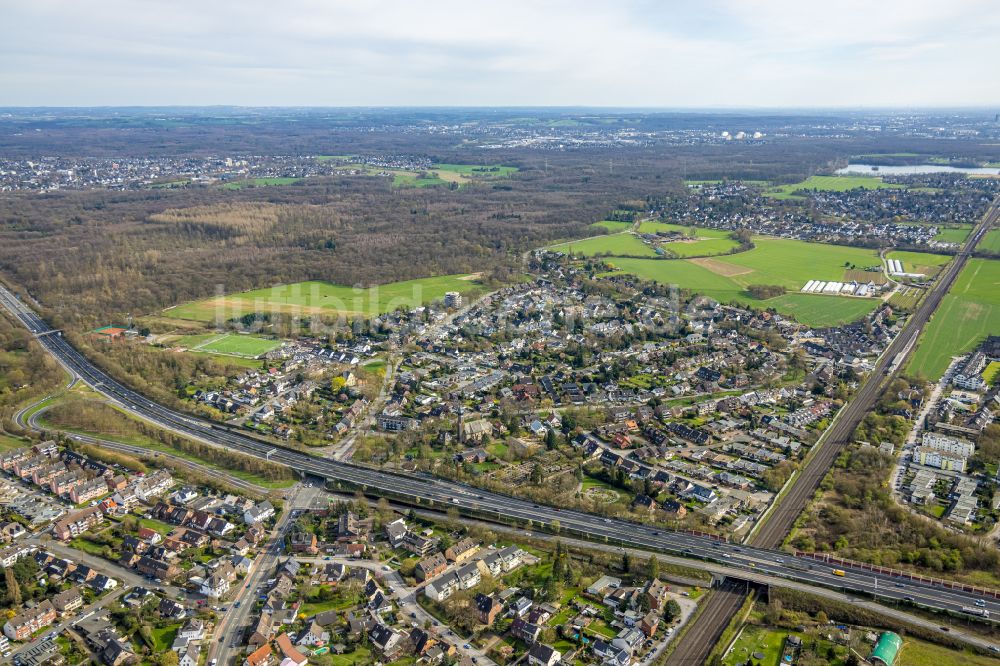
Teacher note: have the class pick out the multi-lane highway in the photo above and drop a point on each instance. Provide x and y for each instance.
(757, 563)
(723, 605)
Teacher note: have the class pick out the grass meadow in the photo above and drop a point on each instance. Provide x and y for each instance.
(325, 298)
(967, 314)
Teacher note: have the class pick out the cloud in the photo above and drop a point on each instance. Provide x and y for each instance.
(543, 52)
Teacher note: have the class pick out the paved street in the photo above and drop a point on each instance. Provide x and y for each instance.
(227, 642)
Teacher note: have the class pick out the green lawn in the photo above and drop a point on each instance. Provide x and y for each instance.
(787, 263)
(87, 546)
(756, 639)
(968, 313)
(990, 242)
(615, 245)
(361, 655)
(829, 183)
(163, 637)
(157, 525)
(241, 345)
(325, 298)
(259, 182)
(992, 372)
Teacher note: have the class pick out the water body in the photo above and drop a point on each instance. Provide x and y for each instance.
(872, 170)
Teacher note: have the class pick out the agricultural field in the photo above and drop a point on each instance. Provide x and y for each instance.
(967, 314)
(324, 298)
(829, 183)
(906, 298)
(954, 234)
(708, 242)
(697, 232)
(436, 174)
(920, 262)
(259, 182)
(990, 242)
(616, 245)
(702, 248)
(477, 170)
(782, 262)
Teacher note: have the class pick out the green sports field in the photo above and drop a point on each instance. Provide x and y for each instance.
(326, 299)
(250, 346)
(829, 183)
(240, 345)
(617, 245)
(788, 263)
(967, 314)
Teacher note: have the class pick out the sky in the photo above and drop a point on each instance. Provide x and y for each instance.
(617, 53)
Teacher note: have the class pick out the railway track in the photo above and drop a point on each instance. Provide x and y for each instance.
(698, 642)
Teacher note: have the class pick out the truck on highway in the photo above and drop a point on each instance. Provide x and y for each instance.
(980, 612)
(839, 572)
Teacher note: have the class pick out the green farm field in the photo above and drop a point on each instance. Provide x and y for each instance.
(616, 245)
(829, 183)
(954, 235)
(709, 242)
(921, 262)
(324, 298)
(991, 241)
(782, 262)
(478, 170)
(967, 314)
(697, 232)
(259, 182)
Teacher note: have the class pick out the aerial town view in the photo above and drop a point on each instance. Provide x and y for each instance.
(513, 335)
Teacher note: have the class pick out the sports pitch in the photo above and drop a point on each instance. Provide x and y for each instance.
(249, 346)
(967, 314)
(315, 298)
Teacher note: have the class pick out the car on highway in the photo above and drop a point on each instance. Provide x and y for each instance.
(838, 572)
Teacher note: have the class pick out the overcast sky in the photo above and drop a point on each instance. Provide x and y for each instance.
(699, 53)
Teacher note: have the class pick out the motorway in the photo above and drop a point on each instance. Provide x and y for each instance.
(789, 506)
(756, 562)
